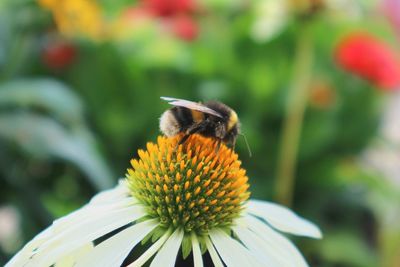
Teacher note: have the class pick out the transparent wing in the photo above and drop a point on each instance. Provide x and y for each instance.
(191, 105)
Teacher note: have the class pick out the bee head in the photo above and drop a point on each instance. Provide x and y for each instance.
(230, 137)
(220, 130)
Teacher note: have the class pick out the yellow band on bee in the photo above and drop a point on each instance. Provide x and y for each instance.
(233, 119)
(197, 116)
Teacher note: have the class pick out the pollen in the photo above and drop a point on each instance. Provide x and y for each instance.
(195, 186)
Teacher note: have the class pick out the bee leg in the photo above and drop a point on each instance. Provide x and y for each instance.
(183, 139)
(218, 146)
(192, 130)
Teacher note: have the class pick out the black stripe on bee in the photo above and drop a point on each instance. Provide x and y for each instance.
(183, 116)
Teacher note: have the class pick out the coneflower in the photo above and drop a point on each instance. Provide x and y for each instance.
(192, 197)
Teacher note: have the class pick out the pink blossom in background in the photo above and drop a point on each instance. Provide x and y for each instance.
(391, 9)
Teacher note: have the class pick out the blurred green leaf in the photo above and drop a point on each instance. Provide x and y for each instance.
(119, 81)
(45, 118)
(346, 249)
(45, 138)
(47, 95)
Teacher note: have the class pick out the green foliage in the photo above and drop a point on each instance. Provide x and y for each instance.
(65, 131)
(65, 136)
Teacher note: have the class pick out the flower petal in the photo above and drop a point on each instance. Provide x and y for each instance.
(103, 202)
(25, 253)
(151, 251)
(257, 246)
(115, 198)
(70, 259)
(197, 258)
(277, 245)
(214, 255)
(232, 252)
(113, 251)
(283, 219)
(84, 232)
(166, 257)
(110, 195)
(87, 213)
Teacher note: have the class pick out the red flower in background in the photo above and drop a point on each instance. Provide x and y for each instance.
(185, 28)
(58, 54)
(177, 15)
(370, 58)
(167, 8)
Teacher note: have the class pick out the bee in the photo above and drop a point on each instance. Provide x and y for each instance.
(211, 119)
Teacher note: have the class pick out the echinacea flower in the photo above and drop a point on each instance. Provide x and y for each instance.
(194, 196)
(370, 58)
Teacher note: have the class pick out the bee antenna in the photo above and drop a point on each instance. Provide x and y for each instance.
(247, 144)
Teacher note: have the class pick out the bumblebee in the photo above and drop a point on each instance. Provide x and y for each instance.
(211, 119)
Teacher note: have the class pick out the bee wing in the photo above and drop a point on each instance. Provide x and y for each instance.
(191, 105)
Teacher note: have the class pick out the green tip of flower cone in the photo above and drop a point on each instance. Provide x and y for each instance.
(195, 186)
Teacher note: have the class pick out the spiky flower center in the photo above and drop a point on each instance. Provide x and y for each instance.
(196, 186)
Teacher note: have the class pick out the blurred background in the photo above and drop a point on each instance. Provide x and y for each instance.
(316, 84)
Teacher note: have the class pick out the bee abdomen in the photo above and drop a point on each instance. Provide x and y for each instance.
(169, 125)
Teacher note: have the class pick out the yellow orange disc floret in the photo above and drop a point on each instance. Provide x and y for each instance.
(197, 185)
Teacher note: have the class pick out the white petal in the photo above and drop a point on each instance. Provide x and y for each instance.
(103, 202)
(283, 218)
(277, 245)
(25, 253)
(84, 232)
(257, 247)
(110, 195)
(232, 252)
(214, 255)
(113, 251)
(70, 259)
(197, 258)
(87, 213)
(166, 257)
(151, 251)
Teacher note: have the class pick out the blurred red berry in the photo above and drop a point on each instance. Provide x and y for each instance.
(58, 54)
(167, 8)
(185, 28)
(322, 94)
(370, 58)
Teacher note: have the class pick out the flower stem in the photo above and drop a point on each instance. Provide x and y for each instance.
(294, 113)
